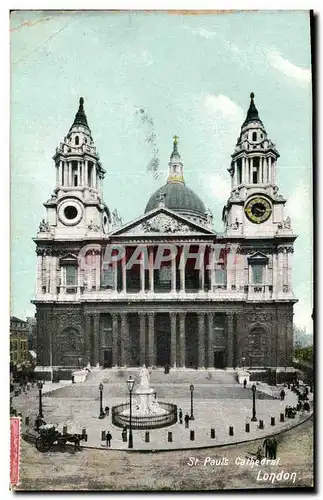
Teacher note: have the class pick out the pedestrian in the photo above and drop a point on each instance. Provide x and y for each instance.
(259, 454)
(107, 410)
(187, 419)
(273, 448)
(245, 383)
(108, 438)
(180, 416)
(266, 446)
(282, 395)
(286, 410)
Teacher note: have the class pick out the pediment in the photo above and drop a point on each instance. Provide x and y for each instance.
(68, 258)
(161, 221)
(258, 257)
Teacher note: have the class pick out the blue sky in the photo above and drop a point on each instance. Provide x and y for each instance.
(192, 75)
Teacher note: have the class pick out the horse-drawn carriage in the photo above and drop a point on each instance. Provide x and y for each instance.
(48, 435)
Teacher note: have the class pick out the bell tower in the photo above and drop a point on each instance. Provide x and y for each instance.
(254, 208)
(76, 206)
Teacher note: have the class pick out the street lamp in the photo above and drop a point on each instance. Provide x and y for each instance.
(102, 414)
(130, 384)
(254, 418)
(192, 390)
(40, 411)
(243, 362)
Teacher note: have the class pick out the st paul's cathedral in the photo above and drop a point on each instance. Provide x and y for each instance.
(235, 308)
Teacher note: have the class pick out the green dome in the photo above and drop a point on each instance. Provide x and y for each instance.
(177, 197)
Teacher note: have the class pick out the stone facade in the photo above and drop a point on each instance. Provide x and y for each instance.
(234, 308)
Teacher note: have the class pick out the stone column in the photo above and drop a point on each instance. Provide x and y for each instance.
(251, 170)
(96, 338)
(235, 174)
(53, 285)
(151, 339)
(243, 168)
(212, 268)
(151, 268)
(173, 344)
(182, 271)
(201, 340)
(210, 343)
(201, 272)
(124, 273)
(142, 321)
(173, 263)
(275, 257)
(87, 339)
(182, 343)
(86, 175)
(93, 176)
(39, 274)
(115, 275)
(78, 173)
(124, 340)
(230, 333)
(142, 272)
(57, 173)
(97, 270)
(70, 173)
(114, 340)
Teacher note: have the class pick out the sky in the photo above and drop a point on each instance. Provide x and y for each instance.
(192, 76)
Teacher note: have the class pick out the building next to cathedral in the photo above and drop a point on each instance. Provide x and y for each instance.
(166, 288)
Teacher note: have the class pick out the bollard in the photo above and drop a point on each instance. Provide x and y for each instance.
(247, 427)
(192, 435)
(83, 431)
(124, 436)
(147, 437)
(272, 421)
(282, 417)
(27, 420)
(65, 429)
(261, 424)
(103, 435)
(170, 437)
(231, 430)
(212, 433)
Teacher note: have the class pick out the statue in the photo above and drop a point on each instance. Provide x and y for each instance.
(287, 223)
(43, 226)
(144, 377)
(116, 219)
(93, 227)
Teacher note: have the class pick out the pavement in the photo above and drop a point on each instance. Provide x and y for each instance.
(219, 402)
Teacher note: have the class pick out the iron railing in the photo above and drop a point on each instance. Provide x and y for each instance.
(149, 422)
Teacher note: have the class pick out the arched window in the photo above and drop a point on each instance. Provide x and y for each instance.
(254, 136)
(77, 140)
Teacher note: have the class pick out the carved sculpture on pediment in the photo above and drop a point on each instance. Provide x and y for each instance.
(93, 227)
(161, 224)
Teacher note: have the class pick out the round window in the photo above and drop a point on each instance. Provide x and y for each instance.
(70, 212)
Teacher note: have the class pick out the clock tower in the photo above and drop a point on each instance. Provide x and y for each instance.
(254, 209)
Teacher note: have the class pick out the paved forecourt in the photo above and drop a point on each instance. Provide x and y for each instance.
(216, 405)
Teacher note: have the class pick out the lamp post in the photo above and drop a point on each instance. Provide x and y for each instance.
(243, 360)
(40, 411)
(192, 390)
(254, 418)
(102, 414)
(130, 384)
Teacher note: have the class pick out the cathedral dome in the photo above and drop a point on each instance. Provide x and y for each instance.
(177, 196)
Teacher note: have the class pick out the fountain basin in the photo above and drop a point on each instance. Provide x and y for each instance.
(166, 415)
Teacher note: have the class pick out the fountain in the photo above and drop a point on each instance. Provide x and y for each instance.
(147, 413)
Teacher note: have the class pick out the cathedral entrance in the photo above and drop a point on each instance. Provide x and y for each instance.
(218, 359)
(163, 335)
(191, 327)
(107, 358)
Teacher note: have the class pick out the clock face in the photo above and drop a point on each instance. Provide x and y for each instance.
(258, 210)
